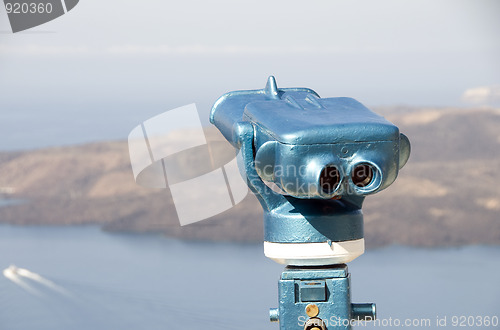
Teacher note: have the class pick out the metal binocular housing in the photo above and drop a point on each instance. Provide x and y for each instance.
(310, 161)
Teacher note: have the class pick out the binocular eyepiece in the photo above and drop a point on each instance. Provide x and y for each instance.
(324, 155)
(332, 170)
(317, 180)
(363, 176)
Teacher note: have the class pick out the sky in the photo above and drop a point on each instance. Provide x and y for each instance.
(106, 66)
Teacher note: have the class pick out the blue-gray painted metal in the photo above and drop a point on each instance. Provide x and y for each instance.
(364, 311)
(334, 302)
(274, 315)
(313, 221)
(287, 137)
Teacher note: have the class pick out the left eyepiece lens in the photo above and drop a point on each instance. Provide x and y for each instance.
(329, 179)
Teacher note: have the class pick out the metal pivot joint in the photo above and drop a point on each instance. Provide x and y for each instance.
(318, 297)
(311, 161)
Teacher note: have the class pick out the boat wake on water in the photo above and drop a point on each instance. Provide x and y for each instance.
(22, 277)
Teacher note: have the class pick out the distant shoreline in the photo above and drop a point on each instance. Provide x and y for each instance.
(442, 197)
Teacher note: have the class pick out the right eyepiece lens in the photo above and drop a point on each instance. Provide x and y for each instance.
(362, 175)
(329, 179)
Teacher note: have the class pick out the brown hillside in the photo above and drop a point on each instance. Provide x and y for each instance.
(446, 195)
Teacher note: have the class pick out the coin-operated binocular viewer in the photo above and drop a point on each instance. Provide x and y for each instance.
(311, 161)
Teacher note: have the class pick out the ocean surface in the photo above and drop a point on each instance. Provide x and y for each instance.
(84, 278)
